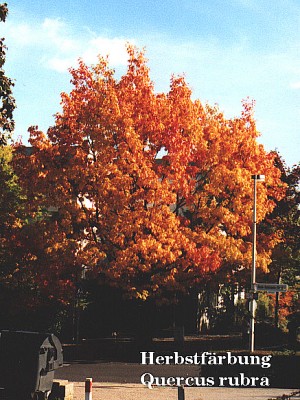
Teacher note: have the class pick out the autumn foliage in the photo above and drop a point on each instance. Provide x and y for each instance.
(153, 190)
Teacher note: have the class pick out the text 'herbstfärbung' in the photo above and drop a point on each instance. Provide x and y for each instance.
(205, 358)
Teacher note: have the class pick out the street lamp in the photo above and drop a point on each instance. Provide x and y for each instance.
(256, 178)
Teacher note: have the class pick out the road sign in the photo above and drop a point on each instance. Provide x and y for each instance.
(270, 287)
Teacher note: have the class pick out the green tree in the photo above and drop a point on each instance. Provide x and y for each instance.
(11, 220)
(35, 286)
(10, 206)
(26, 279)
(7, 104)
(285, 218)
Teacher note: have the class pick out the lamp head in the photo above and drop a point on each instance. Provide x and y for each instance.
(258, 178)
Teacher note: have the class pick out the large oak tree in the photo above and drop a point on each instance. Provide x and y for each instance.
(153, 190)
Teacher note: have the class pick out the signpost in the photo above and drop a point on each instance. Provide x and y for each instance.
(257, 287)
(269, 287)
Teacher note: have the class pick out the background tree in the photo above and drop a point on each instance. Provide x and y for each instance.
(286, 217)
(11, 209)
(35, 285)
(28, 271)
(154, 228)
(7, 105)
(286, 254)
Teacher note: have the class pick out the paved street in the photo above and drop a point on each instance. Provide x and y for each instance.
(121, 381)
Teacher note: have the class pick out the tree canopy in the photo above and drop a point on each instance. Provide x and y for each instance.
(152, 191)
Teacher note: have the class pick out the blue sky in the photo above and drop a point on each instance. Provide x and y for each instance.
(228, 51)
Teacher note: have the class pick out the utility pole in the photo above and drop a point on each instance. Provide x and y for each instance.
(256, 178)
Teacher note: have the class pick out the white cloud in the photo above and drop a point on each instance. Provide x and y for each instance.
(59, 64)
(295, 85)
(115, 48)
(53, 25)
(58, 47)
(56, 32)
(21, 34)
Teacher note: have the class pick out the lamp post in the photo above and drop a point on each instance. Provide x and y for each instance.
(256, 178)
